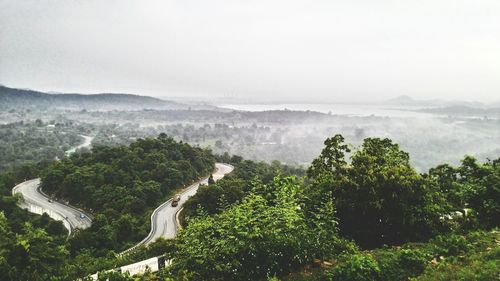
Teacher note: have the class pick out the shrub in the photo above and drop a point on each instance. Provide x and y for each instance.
(359, 267)
(401, 264)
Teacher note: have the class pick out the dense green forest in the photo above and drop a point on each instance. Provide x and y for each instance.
(361, 213)
(32, 142)
(357, 213)
(370, 217)
(121, 185)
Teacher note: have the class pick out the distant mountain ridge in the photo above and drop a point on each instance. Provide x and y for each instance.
(405, 100)
(23, 98)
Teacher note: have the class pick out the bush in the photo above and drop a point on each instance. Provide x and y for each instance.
(451, 245)
(359, 267)
(482, 267)
(401, 264)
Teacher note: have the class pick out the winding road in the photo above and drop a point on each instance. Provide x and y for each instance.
(163, 220)
(37, 202)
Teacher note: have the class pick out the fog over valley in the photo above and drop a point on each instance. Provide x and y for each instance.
(433, 133)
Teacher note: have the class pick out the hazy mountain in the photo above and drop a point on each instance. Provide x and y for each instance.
(464, 111)
(404, 100)
(23, 98)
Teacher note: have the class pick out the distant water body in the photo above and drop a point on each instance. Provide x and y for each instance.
(337, 109)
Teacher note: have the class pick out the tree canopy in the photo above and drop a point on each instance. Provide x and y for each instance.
(120, 185)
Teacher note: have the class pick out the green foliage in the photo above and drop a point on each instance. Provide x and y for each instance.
(120, 185)
(127, 168)
(359, 267)
(262, 236)
(331, 160)
(29, 143)
(484, 189)
(472, 185)
(212, 199)
(119, 198)
(451, 245)
(29, 255)
(216, 197)
(378, 196)
(401, 264)
(475, 256)
(482, 267)
(114, 276)
(256, 224)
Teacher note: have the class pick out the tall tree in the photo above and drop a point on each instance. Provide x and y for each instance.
(379, 197)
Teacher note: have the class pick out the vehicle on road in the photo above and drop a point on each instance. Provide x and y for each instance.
(82, 216)
(50, 200)
(176, 200)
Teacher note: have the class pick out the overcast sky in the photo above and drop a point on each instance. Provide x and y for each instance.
(260, 50)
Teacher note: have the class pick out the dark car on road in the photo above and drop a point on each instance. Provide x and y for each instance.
(176, 200)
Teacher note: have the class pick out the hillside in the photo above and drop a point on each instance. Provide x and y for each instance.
(22, 98)
(122, 184)
(366, 215)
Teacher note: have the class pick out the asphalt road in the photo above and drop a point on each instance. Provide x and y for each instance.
(70, 216)
(163, 219)
(31, 194)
